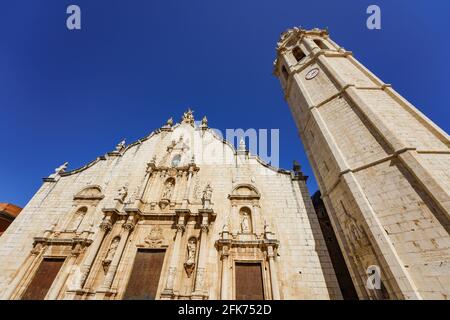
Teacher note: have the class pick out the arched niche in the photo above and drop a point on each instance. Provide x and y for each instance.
(84, 203)
(77, 218)
(90, 193)
(245, 220)
(168, 188)
(244, 192)
(245, 210)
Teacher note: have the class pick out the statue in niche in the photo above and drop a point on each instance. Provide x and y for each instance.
(190, 262)
(207, 193)
(167, 194)
(76, 219)
(111, 252)
(245, 223)
(122, 193)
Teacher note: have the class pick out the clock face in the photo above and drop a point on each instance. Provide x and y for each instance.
(176, 160)
(312, 74)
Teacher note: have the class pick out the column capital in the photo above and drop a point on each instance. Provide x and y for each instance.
(180, 228)
(128, 226)
(106, 226)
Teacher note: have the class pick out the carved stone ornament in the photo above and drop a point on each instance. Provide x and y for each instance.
(169, 123)
(205, 122)
(122, 193)
(154, 238)
(61, 169)
(120, 146)
(188, 117)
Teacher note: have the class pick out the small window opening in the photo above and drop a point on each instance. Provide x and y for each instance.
(298, 54)
(320, 44)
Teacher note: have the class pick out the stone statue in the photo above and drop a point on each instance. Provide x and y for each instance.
(122, 193)
(167, 194)
(207, 193)
(76, 220)
(245, 223)
(120, 146)
(189, 265)
(192, 247)
(112, 250)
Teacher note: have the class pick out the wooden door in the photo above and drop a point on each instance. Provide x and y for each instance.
(43, 279)
(144, 279)
(249, 282)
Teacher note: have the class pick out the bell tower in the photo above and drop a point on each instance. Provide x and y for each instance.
(383, 168)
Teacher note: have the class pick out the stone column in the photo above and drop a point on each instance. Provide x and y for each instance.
(105, 226)
(61, 281)
(224, 288)
(273, 274)
(202, 258)
(174, 259)
(185, 201)
(127, 227)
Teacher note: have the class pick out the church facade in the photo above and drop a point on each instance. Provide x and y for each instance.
(179, 214)
(381, 165)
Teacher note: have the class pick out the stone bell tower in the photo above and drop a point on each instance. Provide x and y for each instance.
(382, 166)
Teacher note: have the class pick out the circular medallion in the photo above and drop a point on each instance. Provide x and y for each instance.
(312, 74)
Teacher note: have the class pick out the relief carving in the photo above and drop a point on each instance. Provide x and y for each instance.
(155, 237)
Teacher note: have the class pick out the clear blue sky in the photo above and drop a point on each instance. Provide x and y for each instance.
(72, 95)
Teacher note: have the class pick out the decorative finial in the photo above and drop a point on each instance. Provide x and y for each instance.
(188, 117)
(62, 168)
(205, 122)
(266, 226)
(297, 168)
(120, 145)
(242, 146)
(169, 122)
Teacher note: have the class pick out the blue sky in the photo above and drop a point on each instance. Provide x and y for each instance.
(73, 95)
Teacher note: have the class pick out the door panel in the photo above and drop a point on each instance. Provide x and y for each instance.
(144, 279)
(249, 283)
(43, 279)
